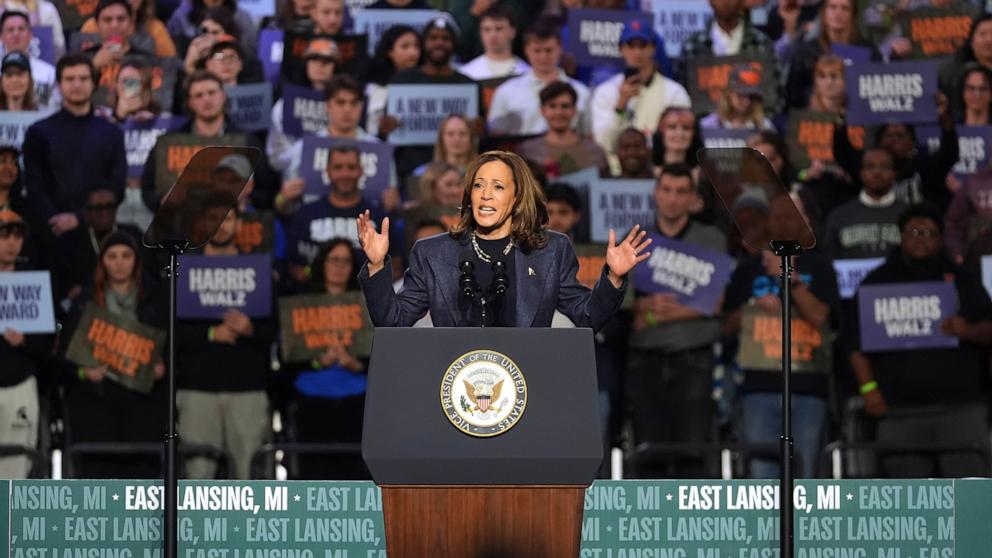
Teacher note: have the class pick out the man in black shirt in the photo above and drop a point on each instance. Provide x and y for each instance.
(930, 396)
(70, 151)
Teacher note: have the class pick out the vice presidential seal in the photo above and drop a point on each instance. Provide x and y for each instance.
(483, 393)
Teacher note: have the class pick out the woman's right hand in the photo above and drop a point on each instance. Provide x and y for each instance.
(374, 243)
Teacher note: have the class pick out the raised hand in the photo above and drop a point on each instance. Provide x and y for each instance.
(621, 258)
(374, 243)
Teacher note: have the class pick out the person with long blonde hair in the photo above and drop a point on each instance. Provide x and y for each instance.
(457, 144)
(502, 229)
(828, 85)
(740, 107)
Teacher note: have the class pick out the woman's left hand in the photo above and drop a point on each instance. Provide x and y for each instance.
(621, 258)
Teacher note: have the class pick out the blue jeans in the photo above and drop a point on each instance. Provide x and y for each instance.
(762, 418)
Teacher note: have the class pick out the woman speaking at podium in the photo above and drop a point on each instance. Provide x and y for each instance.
(499, 265)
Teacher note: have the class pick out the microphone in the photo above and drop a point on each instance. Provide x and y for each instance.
(466, 280)
(501, 280)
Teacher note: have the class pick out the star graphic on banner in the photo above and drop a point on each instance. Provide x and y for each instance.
(237, 529)
(668, 497)
(116, 497)
(609, 528)
(850, 496)
(55, 527)
(296, 497)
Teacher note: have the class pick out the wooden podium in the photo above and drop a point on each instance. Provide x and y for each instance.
(518, 494)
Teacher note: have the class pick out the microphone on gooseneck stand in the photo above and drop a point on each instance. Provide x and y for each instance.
(501, 279)
(466, 279)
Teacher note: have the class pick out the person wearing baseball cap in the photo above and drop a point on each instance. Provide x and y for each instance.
(16, 85)
(635, 97)
(740, 106)
(16, 36)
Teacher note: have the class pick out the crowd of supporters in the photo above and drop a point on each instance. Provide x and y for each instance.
(76, 197)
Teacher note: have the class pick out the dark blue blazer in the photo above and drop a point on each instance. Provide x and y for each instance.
(545, 281)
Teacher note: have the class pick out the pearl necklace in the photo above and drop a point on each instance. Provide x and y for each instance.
(484, 256)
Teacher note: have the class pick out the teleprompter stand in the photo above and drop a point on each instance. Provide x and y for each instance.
(189, 215)
(742, 171)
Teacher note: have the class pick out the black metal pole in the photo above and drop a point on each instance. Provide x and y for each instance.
(785, 487)
(171, 437)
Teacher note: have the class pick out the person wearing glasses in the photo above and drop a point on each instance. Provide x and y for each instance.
(930, 397)
(81, 246)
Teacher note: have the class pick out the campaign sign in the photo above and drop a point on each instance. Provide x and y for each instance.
(174, 151)
(903, 92)
(761, 343)
(580, 180)
(14, 124)
(210, 285)
(677, 20)
(974, 143)
(937, 32)
(619, 204)
(310, 324)
(852, 54)
(26, 302)
(270, 47)
(352, 54)
(258, 9)
(594, 35)
(140, 138)
(255, 233)
(42, 44)
(75, 12)
(487, 88)
(850, 274)
(128, 348)
(304, 110)
(695, 275)
(375, 22)
(709, 76)
(905, 316)
(376, 158)
(249, 106)
(421, 108)
(722, 137)
(810, 137)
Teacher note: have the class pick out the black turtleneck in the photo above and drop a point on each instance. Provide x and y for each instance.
(502, 313)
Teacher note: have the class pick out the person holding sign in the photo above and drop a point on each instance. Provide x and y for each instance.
(636, 97)
(503, 225)
(670, 376)
(100, 406)
(752, 329)
(931, 396)
(22, 355)
(330, 389)
(398, 50)
(223, 372)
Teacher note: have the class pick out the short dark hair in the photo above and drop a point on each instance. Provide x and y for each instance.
(565, 193)
(556, 89)
(543, 29)
(74, 59)
(342, 82)
(14, 13)
(678, 170)
(875, 148)
(498, 11)
(344, 149)
(922, 211)
(104, 4)
(197, 77)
